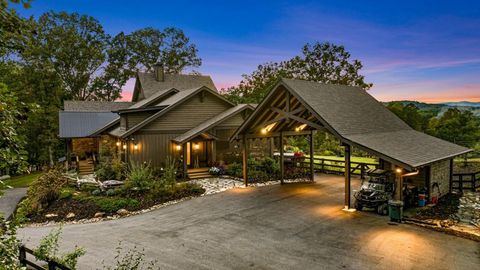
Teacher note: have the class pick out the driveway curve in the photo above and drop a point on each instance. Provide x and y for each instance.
(294, 226)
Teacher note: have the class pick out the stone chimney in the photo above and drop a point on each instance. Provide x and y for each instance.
(159, 72)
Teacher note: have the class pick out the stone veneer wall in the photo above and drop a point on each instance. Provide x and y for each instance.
(440, 173)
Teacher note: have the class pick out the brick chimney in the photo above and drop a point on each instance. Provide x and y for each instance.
(159, 72)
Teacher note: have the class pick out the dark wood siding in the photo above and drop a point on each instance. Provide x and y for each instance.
(189, 114)
(153, 148)
(135, 118)
(234, 121)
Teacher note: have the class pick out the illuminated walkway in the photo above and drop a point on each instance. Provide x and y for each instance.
(295, 226)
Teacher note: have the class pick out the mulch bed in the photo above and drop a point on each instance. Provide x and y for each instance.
(446, 206)
(86, 209)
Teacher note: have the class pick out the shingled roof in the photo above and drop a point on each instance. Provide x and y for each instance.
(180, 82)
(95, 106)
(358, 119)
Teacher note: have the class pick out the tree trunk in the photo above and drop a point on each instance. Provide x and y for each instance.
(50, 156)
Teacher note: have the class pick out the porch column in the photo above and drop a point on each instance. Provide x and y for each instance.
(312, 170)
(347, 176)
(282, 165)
(184, 160)
(245, 160)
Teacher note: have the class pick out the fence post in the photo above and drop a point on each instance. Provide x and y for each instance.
(22, 256)
(51, 265)
(362, 171)
(323, 165)
(460, 183)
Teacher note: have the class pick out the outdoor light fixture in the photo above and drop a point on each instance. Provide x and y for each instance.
(118, 143)
(135, 146)
(300, 128)
(399, 170)
(178, 147)
(268, 128)
(196, 146)
(124, 146)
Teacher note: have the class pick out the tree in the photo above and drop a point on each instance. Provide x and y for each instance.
(460, 127)
(170, 47)
(12, 27)
(77, 49)
(12, 144)
(320, 62)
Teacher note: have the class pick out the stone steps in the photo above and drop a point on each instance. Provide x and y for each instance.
(198, 173)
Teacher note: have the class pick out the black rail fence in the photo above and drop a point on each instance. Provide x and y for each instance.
(333, 166)
(466, 181)
(50, 264)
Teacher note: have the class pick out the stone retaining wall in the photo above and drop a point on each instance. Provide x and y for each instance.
(440, 174)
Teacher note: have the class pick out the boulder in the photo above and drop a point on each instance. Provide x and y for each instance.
(70, 215)
(99, 214)
(123, 212)
(51, 215)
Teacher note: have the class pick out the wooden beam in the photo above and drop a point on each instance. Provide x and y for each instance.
(277, 134)
(282, 165)
(299, 119)
(185, 169)
(347, 177)
(245, 160)
(312, 171)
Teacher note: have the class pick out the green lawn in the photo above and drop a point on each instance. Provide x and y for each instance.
(22, 180)
(338, 166)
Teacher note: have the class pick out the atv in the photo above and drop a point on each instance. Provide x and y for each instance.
(376, 190)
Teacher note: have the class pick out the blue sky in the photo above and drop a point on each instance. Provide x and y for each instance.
(422, 50)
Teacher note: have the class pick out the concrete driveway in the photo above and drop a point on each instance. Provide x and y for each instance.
(10, 199)
(295, 226)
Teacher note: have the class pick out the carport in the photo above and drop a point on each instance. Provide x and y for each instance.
(356, 119)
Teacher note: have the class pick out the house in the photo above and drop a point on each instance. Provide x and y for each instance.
(299, 108)
(177, 115)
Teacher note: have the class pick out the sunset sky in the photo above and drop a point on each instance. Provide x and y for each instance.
(417, 50)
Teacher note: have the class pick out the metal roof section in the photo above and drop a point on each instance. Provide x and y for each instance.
(83, 124)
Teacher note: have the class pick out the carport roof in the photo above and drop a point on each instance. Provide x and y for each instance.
(358, 119)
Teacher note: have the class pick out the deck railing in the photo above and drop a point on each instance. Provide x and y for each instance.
(466, 181)
(51, 264)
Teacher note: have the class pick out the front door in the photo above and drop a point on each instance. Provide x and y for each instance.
(197, 154)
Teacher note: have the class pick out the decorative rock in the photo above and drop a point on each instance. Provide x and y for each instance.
(99, 214)
(51, 215)
(123, 212)
(70, 215)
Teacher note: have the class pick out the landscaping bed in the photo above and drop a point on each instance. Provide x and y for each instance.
(83, 205)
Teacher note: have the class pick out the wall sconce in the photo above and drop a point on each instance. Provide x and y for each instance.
(398, 170)
(124, 146)
(196, 146)
(300, 128)
(118, 143)
(135, 146)
(178, 147)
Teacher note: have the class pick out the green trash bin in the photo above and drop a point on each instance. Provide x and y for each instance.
(395, 210)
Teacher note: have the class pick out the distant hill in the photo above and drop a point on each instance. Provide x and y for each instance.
(441, 108)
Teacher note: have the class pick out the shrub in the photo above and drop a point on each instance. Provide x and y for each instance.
(110, 192)
(49, 246)
(109, 169)
(139, 177)
(132, 259)
(45, 189)
(113, 204)
(234, 169)
(169, 177)
(97, 192)
(270, 166)
(66, 193)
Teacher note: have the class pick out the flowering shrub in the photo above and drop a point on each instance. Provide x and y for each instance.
(216, 170)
